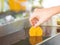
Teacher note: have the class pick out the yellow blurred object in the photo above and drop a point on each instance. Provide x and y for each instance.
(35, 31)
(15, 5)
(35, 39)
(35, 35)
(58, 21)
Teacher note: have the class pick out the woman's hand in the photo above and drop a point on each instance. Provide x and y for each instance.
(42, 15)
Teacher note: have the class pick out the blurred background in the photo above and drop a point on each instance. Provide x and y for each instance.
(14, 20)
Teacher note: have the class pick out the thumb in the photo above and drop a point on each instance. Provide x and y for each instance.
(31, 18)
(39, 23)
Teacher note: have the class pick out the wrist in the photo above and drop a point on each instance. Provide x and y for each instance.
(55, 10)
(59, 8)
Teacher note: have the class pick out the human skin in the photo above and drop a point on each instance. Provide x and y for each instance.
(43, 15)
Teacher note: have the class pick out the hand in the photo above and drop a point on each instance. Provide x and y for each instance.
(41, 15)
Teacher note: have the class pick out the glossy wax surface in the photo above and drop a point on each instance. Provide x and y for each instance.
(35, 31)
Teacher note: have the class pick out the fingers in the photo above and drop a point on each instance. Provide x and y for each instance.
(34, 15)
(42, 20)
(39, 22)
(33, 21)
(31, 18)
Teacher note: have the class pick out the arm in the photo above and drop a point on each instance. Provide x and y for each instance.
(43, 14)
(55, 10)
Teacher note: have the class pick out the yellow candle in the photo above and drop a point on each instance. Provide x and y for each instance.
(35, 35)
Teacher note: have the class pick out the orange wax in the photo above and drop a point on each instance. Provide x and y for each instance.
(35, 35)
